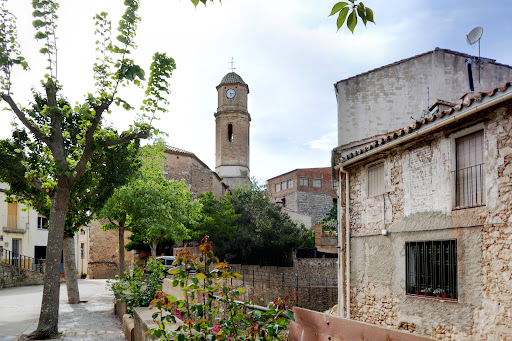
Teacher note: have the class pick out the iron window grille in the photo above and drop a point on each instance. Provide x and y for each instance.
(431, 269)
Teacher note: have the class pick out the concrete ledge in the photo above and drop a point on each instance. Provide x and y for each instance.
(120, 307)
(128, 327)
(143, 322)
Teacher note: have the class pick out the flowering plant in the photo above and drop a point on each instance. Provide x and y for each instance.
(209, 308)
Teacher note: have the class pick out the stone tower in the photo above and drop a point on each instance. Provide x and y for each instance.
(232, 130)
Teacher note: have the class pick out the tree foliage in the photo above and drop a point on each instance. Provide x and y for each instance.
(358, 9)
(217, 219)
(265, 234)
(155, 209)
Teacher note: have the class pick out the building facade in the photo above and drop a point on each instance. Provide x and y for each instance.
(426, 223)
(393, 96)
(306, 194)
(24, 231)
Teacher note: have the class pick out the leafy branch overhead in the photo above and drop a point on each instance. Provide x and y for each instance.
(358, 9)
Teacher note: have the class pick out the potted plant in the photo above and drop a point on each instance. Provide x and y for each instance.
(427, 291)
(438, 292)
(84, 276)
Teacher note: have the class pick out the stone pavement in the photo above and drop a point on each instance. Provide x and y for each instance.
(94, 320)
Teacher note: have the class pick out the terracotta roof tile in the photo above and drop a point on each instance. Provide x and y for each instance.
(467, 100)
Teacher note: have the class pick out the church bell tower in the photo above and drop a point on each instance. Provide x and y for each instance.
(232, 131)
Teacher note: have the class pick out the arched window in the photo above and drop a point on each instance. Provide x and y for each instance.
(230, 132)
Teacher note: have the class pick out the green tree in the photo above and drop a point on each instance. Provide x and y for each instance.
(265, 234)
(156, 210)
(217, 220)
(65, 153)
(106, 171)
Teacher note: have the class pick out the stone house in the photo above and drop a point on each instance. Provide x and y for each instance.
(426, 222)
(306, 194)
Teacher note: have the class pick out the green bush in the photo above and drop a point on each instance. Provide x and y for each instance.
(138, 288)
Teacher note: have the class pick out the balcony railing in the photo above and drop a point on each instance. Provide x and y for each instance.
(23, 262)
(470, 186)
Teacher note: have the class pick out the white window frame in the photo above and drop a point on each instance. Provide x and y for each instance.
(304, 181)
(317, 181)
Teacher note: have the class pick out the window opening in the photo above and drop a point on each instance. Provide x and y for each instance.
(230, 133)
(317, 183)
(376, 180)
(431, 268)
(304, 181)
(470, 170)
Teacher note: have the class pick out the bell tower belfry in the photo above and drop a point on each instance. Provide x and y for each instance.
(232, 131)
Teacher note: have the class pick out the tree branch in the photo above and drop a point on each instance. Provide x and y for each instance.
(110, 143)
(23, 118)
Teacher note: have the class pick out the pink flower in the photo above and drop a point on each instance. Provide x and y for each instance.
(216, 329)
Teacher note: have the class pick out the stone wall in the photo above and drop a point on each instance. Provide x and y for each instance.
(311, 281)
(11, 276)
(418, 206)
(104, 251)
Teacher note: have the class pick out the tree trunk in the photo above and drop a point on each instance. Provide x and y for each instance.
(121, 250)
(49, 317)
(154, 245)
(70, 270)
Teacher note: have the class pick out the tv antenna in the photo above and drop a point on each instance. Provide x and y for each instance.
(473, 37)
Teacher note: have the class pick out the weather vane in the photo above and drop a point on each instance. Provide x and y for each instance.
(232, 67)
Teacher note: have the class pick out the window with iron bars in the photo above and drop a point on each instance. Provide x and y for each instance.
(470, 171)
(431, 269)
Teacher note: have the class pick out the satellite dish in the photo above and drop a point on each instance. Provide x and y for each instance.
(474, 35)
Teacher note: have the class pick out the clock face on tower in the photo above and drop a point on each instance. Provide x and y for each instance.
(230, 93)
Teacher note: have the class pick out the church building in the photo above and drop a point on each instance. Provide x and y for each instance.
(232, 121)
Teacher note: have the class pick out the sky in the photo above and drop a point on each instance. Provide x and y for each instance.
(288, 52)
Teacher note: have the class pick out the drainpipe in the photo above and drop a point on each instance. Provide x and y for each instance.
(347, 240)
(341, 301)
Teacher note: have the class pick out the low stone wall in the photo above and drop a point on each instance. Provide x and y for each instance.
(11, 276)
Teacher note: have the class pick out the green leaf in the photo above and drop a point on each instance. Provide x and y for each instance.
(39, 23)
(352, 21)
(361, 11)
(342, 17)
(369, 15)
(157, 332)
(336, 8)
(195, 2)
(289, 314)
(44, 50)
(200, 276)
(40, 35)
